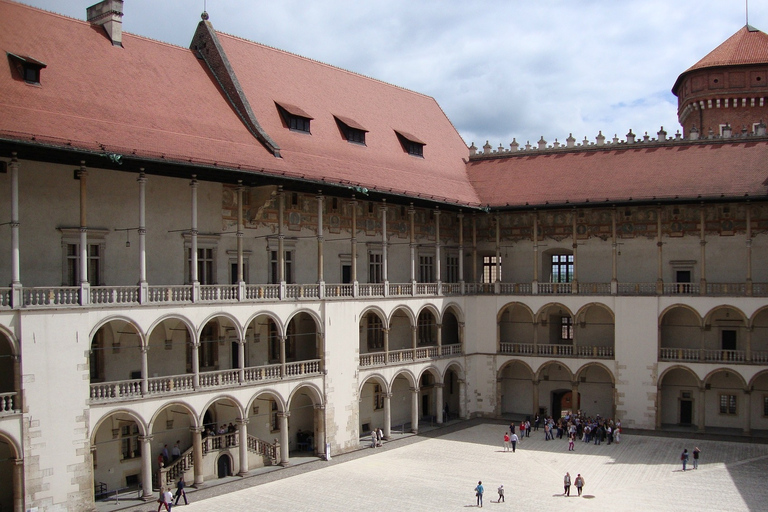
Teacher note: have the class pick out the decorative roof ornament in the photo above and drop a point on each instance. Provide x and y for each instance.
(204, 16)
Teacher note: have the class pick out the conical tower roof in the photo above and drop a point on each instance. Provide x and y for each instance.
(747, 46)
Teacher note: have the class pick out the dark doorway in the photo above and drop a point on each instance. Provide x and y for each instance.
(559, 398)
(425, 405)
(223, 466)
(686, 412)
(728, 339)
(235, 355)
(683, 279)
(346, 273)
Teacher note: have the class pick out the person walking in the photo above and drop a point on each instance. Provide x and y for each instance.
(567, 484)
(373, 439)
(506, 441)
(180, 491)
(684, 457)
(165, 499)
(579, 483)
(522, 431)
(513, 439)
(479, 493)
(571, 442)
(696, 453)
(501, 494)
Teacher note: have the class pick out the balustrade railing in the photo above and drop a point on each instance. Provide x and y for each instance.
(5, 297)
(516, 288)
(724, 356)
(450, 350)
(170, 384)
(451, 289)
(220, 442)
(527, 349)
(161, 294)
(266, 372)
(8, 403)
(264, 448)
(554, 288)
(171, 473)
(732, 289)
(637, 289)
(694, 355)
(115, 295)
(58, 296)
(594, 288)
(546, 349)
(401, 356)
(681, 288)
(339, 290)
(759, 357)
(220, 378)
(302, 368)
(262, 291)
(400, 289)
(373, 359)
(218, 293)
(371, 290)
(554, 350)
(302, 291)
(118, 390)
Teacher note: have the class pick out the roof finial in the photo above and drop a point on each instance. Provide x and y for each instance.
(204, 16)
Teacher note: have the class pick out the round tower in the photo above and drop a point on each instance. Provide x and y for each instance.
(727, 89)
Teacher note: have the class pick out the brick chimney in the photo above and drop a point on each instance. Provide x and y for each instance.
(108, 14)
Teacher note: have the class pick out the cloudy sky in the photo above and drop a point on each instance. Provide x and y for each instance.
(500, 69)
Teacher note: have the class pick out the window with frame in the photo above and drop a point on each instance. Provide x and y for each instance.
(411, 144)
(452, 268)
(378, 397)
(205, 265)
(426, 332)
(426, 269)
(274, 263)
(728, 404)
(28, 68)
(70, 242)
(351, 130)
(375, 267)
(562, 268)
(489, 269)
(566, 328)
(233, 266)
(375, 332)
(295, 118)
(130, 447)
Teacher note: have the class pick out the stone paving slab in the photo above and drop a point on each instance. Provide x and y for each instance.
(439, 471)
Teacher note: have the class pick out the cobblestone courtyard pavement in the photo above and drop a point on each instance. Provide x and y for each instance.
(440, 470)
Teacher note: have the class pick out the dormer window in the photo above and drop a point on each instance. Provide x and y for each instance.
(411, 144)
(295, 118)
(27, 67)
(351, 130)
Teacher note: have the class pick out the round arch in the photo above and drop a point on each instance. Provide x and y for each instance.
(218, 315)
(315, 393)
(407, 375)
(222, 398)
(119, 318)
(312, 314)
(582, 311)
(755, 377)
(17, 451)
(674, 307)
(707, 320)
(456, 367)
(376, 310)
(758, 312)
(13, 343)
(509, 305)
(431, 308)
(136, 417)
(543, 310)
(452, 307)
(727, 372)
(594, 364)
(686, 369)
(375, 377)
(275, 319)
(546, 365)
(191, 330)
(273, 394)
(432, 370)
(190, 410)
(406, 311)
(520, 362)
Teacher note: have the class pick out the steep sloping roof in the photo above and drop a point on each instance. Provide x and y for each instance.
(747, 46)
(268, 75)
(147, 98)
(684, 171)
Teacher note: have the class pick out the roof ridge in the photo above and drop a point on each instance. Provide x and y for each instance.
(338, 68)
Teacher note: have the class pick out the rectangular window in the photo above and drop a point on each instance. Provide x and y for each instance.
(205, 265)
(728, 404)
(562, 268)
(566, 328)
(208, 352)
(378, 398)
(452, 268)
(129, 442)
(489, 269)
(73, 264)
(426, 269)
(426, 330)
(375, 268)
(274, 267)
(375, 333)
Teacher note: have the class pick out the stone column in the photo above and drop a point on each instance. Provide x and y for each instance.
(384, 264)
(412, 246)
(387, 416)
(280, 240)
(701, 420)
(386, 345)
(284, 442)
(575, 396)
(439, 334)
(461, 251)
(146, 467)
(144, 370)
(439, 404)
(242, 430)
(438, 274)
(143, 286)
(749, 251)
(320, 202)
(748, 332)
(241, 360)
(18, 485)
(15, 225)
(85, 291)
(197, 455)
(703, 244)
(319, 430)
(414, 340)
(196, 364)
(282, 356)
(354, 245)
(415, 410)
(535, 284)
(461, 336)
(659, 244)
(614, 256)
(498, 254)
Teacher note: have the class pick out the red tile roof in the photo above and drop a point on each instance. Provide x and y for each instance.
(747, 46)
(640, 173)
(268, 75)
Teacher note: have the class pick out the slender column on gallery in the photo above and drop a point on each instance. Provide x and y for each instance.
(386, 344)
(143, 285)
(18, 485)
(144, 369)
(575, 246)
(239, 235)
(749, 251)
(614, 256)
(439, 340)
(320, 209)
(282, 356)
(703, 244)
(461, 251)
(15, 226)
(439, 403)
(281, 240)
(474, 247)
(241, 360)
(384, 261)
(387, 416)
(659, 244)
(319, 411)
(146, 467)
(575, 396)
(197, 455)
(193, 259)
(354, 247)
(535, 284)
(242, 430)
(415, 410)
(438, 274)
(82, 175)
(748, 335)
(412, 246)
(195, 363)
(414, 340)
(284, 444)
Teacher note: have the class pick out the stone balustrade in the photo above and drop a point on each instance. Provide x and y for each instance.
(696, 355)
(8, 403)
(409, 355)
(557, 350)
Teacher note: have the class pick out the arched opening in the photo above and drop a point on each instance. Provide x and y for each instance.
(759, 338)
(596, 392)
(516, 328)
(115, 356)
(306, 427)
(680, 335)
(302, 342)
(758, 403)
(555, 331)
(9, 379)
(725, 402)
(11, 474)
(264, 430)
(221, 436)
(516, 389)
(400, 332)
(224, 466)
(117, 455)
(553, 377)
(169, 359)
(678, 398)
(724, 337)
(170, 428)
(372, 335)
(452, 393)
(449, 334)
(372, 401)
(401, 403)
(428, 404)
(262, 341)
(594, 334)
(426, 329)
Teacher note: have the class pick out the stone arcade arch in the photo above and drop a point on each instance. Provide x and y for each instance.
(680, 333)
(222, 420)
(554, 330)
(594, 391)
(515, 389)
(303, 341)
(454, 393)
(373, 335)
(724, 337)
(594, 331)
(678, 397)
(516, 329)
(264, 336)
(758, 402)
(554, 382)
(11, 474)
(726, 400)
(757, 337)
(430, 396)
(116, 355)
(10, 383)
(264, 412)
(118, 446)
(405, 402)
(402, 334)
(374, 408)
(451, 328)
(306, 410)
(176, 422)
(168, 356)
